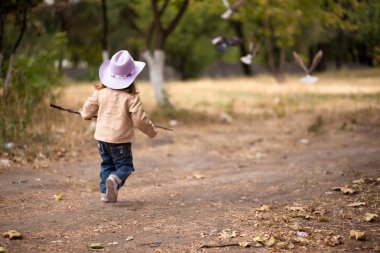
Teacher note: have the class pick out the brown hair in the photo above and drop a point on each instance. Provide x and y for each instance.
(131, 89)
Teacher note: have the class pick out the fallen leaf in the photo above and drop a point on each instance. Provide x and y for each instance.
(370, 216)
(285, 245)
(359, 181)
(258, 239)
(198, 176)
(295, 227)
(3, 250)
(357, 235)
(264, 208)
(96, 245)
(58, 196)
(225, 235)
(295, 209)
(304, 241)
(323, 219)
(244, 244)
(332, 240)
(357, 204)
(347, 190)
(377, 248)
(270, 242)
(12, 234)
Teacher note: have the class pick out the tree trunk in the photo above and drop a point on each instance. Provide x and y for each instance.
(105, 54)
(238, 27)
(339, 50)
(156, 64)
(8, 78)
(1, 44)
(281, 66)
(270, 49)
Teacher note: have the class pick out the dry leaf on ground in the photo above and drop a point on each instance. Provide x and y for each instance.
(198, 176)
(264, 208)
(285, 245)
(347, 190)
(357, 235)
(370, 217)
(359, 181)
(58, 196)
(270, 242)
(377, 248)
(295, 209)
(357, 204)
(3, 250)
(96, 245)
(12, 234)
(244, 244)
(332, 240)
(258, 239)
(225, 235)
(304, 241)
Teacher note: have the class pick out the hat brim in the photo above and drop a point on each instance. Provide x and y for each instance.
(118, 83)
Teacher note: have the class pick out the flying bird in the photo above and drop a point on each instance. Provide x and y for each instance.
(231, 8)
(253, 50)
(309, 79)
(222, 43)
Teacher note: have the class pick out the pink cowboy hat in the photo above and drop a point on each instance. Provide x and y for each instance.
(120, 71)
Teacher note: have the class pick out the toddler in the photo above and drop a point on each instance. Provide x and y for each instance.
(118, 108)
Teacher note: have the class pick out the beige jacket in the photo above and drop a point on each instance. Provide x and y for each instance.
(118, 112)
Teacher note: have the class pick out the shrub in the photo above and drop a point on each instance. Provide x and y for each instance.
(34, 78)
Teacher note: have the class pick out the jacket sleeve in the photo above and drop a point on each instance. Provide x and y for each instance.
(140, 119)
(90, 107)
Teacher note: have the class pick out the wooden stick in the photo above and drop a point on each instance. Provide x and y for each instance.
(76, 112)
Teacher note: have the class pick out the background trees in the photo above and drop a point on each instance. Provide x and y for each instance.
(67, 37)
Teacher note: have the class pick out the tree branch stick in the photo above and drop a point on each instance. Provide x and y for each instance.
(76, 112)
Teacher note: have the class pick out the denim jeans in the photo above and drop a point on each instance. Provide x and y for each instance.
(117, 160)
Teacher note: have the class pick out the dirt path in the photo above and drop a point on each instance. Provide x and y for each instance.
(193, 187)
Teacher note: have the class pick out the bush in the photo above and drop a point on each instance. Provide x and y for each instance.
(34, 78)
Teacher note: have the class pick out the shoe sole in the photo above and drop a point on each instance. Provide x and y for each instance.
(111, 194)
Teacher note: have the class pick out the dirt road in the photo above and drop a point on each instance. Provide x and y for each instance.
(200, 189)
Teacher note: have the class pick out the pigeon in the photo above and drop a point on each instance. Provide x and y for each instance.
(231, 8)
(222, 43)
(309, 79)
(253, 50)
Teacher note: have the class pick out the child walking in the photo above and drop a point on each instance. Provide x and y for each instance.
(118, 108)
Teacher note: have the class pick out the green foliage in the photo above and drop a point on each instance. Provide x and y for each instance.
(34, 79)
(367, 18)
(188, 54)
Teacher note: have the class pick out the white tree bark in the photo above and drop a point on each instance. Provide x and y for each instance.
(8, 79)
(156, 64)
(105, 55)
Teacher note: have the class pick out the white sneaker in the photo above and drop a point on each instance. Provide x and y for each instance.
(103, 197)
(111, 191)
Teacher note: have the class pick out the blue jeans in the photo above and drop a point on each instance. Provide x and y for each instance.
(116, 160)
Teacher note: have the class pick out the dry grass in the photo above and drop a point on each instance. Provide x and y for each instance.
(347, 93)
(343, 90)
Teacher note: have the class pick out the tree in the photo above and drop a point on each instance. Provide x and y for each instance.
(105, 54)
(156, 38)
